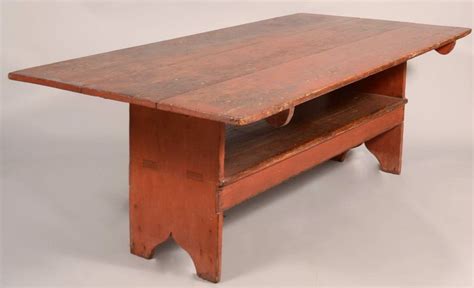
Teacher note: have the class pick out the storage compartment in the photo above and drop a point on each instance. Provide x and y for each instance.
(253, 147)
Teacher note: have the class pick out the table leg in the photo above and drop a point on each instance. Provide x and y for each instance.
(387, 148)
(176, 162)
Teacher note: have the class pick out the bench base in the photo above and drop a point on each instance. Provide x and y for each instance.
(186, 171)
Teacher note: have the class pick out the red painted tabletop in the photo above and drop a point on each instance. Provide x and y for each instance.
(245, 73)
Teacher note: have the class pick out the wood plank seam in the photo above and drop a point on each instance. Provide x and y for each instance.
(231, 116)
(328, 83)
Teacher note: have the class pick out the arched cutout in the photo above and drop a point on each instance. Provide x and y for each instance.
(146, 248)
(190, 216)
(387, 148)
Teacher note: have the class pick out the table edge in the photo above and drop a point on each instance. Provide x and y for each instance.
(228, 119)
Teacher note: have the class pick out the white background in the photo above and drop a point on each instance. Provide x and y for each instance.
(65, 160)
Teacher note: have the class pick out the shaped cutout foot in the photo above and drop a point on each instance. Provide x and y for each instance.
(387, 148)
(173, 186)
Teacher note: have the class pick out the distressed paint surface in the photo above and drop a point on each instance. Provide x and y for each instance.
(245, 73)
(187, 166)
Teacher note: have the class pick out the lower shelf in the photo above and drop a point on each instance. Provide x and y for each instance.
(254, 147)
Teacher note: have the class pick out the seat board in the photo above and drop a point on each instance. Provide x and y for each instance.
(258, 145)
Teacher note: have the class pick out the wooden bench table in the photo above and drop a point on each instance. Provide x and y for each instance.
(218, 117)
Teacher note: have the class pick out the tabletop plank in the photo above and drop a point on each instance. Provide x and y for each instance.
(242, 74)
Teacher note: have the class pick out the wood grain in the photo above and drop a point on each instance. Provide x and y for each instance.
(390, 82)
(387, 148)
(281, 118)
(253, 147)
(243, 74)
(246, 187)
(176, 163)
(219, 117)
